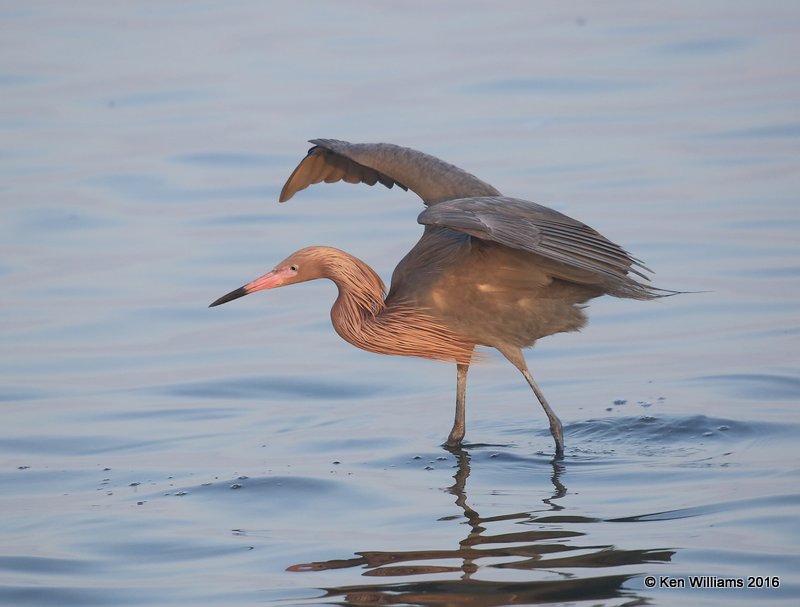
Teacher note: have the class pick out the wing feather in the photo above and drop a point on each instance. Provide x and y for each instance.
(322, 164)
(390, 165)
(527, 226)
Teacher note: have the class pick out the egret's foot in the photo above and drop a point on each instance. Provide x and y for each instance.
(453, 441)
(558, 436)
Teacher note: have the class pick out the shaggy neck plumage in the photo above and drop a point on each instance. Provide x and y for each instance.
(360, 317)
(361, 296)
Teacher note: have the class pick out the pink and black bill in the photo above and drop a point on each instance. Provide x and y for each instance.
(235, 294)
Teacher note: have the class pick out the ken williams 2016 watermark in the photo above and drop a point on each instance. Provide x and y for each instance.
(712, 581)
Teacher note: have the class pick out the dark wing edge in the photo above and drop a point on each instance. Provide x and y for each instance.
(431, 178)
(324, 164)
(527, 226)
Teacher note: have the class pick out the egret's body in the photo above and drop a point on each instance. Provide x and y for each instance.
(488, 270)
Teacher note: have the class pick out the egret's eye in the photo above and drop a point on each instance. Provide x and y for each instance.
(293, 268)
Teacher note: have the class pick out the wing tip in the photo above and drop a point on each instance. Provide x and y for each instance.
(327, 143)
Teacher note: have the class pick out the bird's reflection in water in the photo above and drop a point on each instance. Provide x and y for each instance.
(544, 552)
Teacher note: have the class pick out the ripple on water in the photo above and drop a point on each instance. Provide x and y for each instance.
(234, 160)
(294, 495)
(746, 505)
(667, 429)
(754, 386)
(49, 565)
(694, 440)
(263, 387)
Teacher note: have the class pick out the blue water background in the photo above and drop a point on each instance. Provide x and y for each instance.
(153, 451)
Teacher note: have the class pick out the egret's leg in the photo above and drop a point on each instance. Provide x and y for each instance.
(459, 425)
(555, 424)
(515, 357)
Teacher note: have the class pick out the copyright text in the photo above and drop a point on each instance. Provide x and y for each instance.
(712, 581)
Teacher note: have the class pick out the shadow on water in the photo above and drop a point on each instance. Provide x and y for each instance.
(549, 551)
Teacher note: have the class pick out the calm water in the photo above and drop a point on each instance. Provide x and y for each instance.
(156, 452)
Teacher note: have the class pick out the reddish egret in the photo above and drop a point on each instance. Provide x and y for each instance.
(489, 270)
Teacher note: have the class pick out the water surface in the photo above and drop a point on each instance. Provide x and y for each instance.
(153, 451)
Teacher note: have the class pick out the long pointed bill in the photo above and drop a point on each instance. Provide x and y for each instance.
(268, 281)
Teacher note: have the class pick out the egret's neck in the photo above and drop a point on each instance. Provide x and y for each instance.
(360, 317)
(361, 295)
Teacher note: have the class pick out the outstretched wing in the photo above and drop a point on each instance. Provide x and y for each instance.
(527, 226)
(431, 179)
(322, 164)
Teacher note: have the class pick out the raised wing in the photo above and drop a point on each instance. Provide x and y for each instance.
(321, 164)
(431, 179)
(527, 226)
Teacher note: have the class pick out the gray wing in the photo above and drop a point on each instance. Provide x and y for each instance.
(527, 226)
(431, 179)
